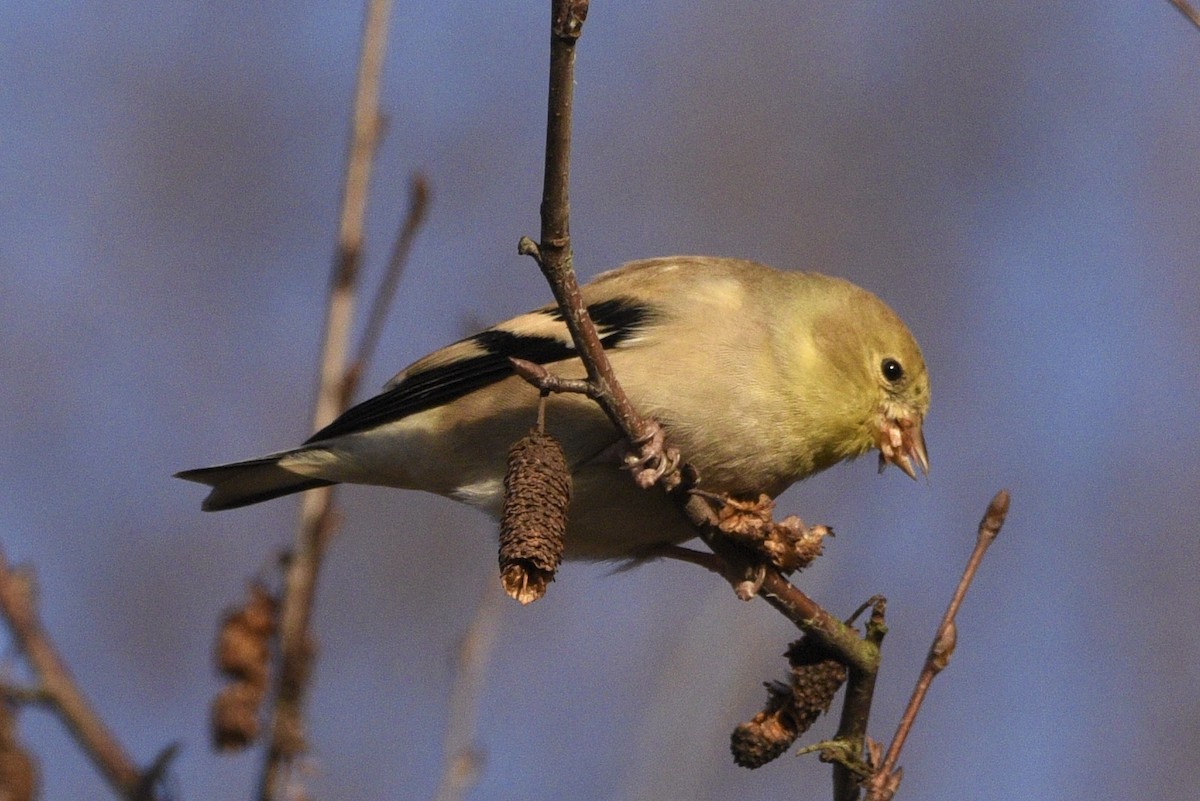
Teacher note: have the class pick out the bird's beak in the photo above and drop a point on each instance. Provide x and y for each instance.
(901, 443)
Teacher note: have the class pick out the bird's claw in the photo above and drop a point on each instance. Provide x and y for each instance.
(748, 587)
(651, 458)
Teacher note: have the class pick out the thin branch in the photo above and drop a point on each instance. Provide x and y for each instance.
(856, 709)
(463, 760)
(547, 382)
(553, 255)
(553, 252)
(296, 647)
(1187, 10)
(942, 648)
(58, 690)
(418, 203)
(25, 696)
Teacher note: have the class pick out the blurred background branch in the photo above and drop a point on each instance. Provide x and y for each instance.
(463, 760)
(57, 690)
(297, 645)
(1187, 10)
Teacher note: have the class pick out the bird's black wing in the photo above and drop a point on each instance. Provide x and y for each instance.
(482, 359)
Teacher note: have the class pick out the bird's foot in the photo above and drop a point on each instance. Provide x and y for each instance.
(650, 458)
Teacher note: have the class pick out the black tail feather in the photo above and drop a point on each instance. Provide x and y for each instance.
(252, 481)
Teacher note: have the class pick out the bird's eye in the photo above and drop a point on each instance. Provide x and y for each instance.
(892, 370)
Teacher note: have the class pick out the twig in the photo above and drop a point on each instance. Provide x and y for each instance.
(553, 255)
(296, 647)
(942, 649)
(547, 382)
(463, 760)
(856, 709)
(1187, 10)
(29, 696)
(418, 203)
(58, 690)
(553, 252)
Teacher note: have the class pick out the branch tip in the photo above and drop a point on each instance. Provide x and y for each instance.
(546, 382)
(531, 372)
(993, 518)
(882, 785)
(567, 22)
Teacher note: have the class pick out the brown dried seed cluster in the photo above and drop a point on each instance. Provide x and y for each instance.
(815, 679)
(791, 708)
(769, 734)
(537, 491)
(243, 653)
(788, 545)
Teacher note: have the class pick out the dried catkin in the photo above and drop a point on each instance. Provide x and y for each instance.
(243, 653)
(537, 490)
(791, 707)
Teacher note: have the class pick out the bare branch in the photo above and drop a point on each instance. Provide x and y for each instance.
(296, 645)
(546, 381)
(553, 254)
(463, 760)
(881, 783)
(57, 688)
(1187, 10)
(856, 709)
(418, 204)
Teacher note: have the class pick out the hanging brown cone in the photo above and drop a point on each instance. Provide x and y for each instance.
(243, 649)
(537, 490)
(791, 708)
(235, 722)
(769, 734)
(816, 678)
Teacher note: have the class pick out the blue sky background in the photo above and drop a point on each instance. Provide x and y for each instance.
(1020, 181)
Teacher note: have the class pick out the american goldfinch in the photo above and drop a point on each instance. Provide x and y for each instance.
(759, 377)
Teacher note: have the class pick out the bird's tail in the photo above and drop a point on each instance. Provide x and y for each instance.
(254, 480)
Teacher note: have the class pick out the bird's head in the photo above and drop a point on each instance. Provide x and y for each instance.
(881, 387)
